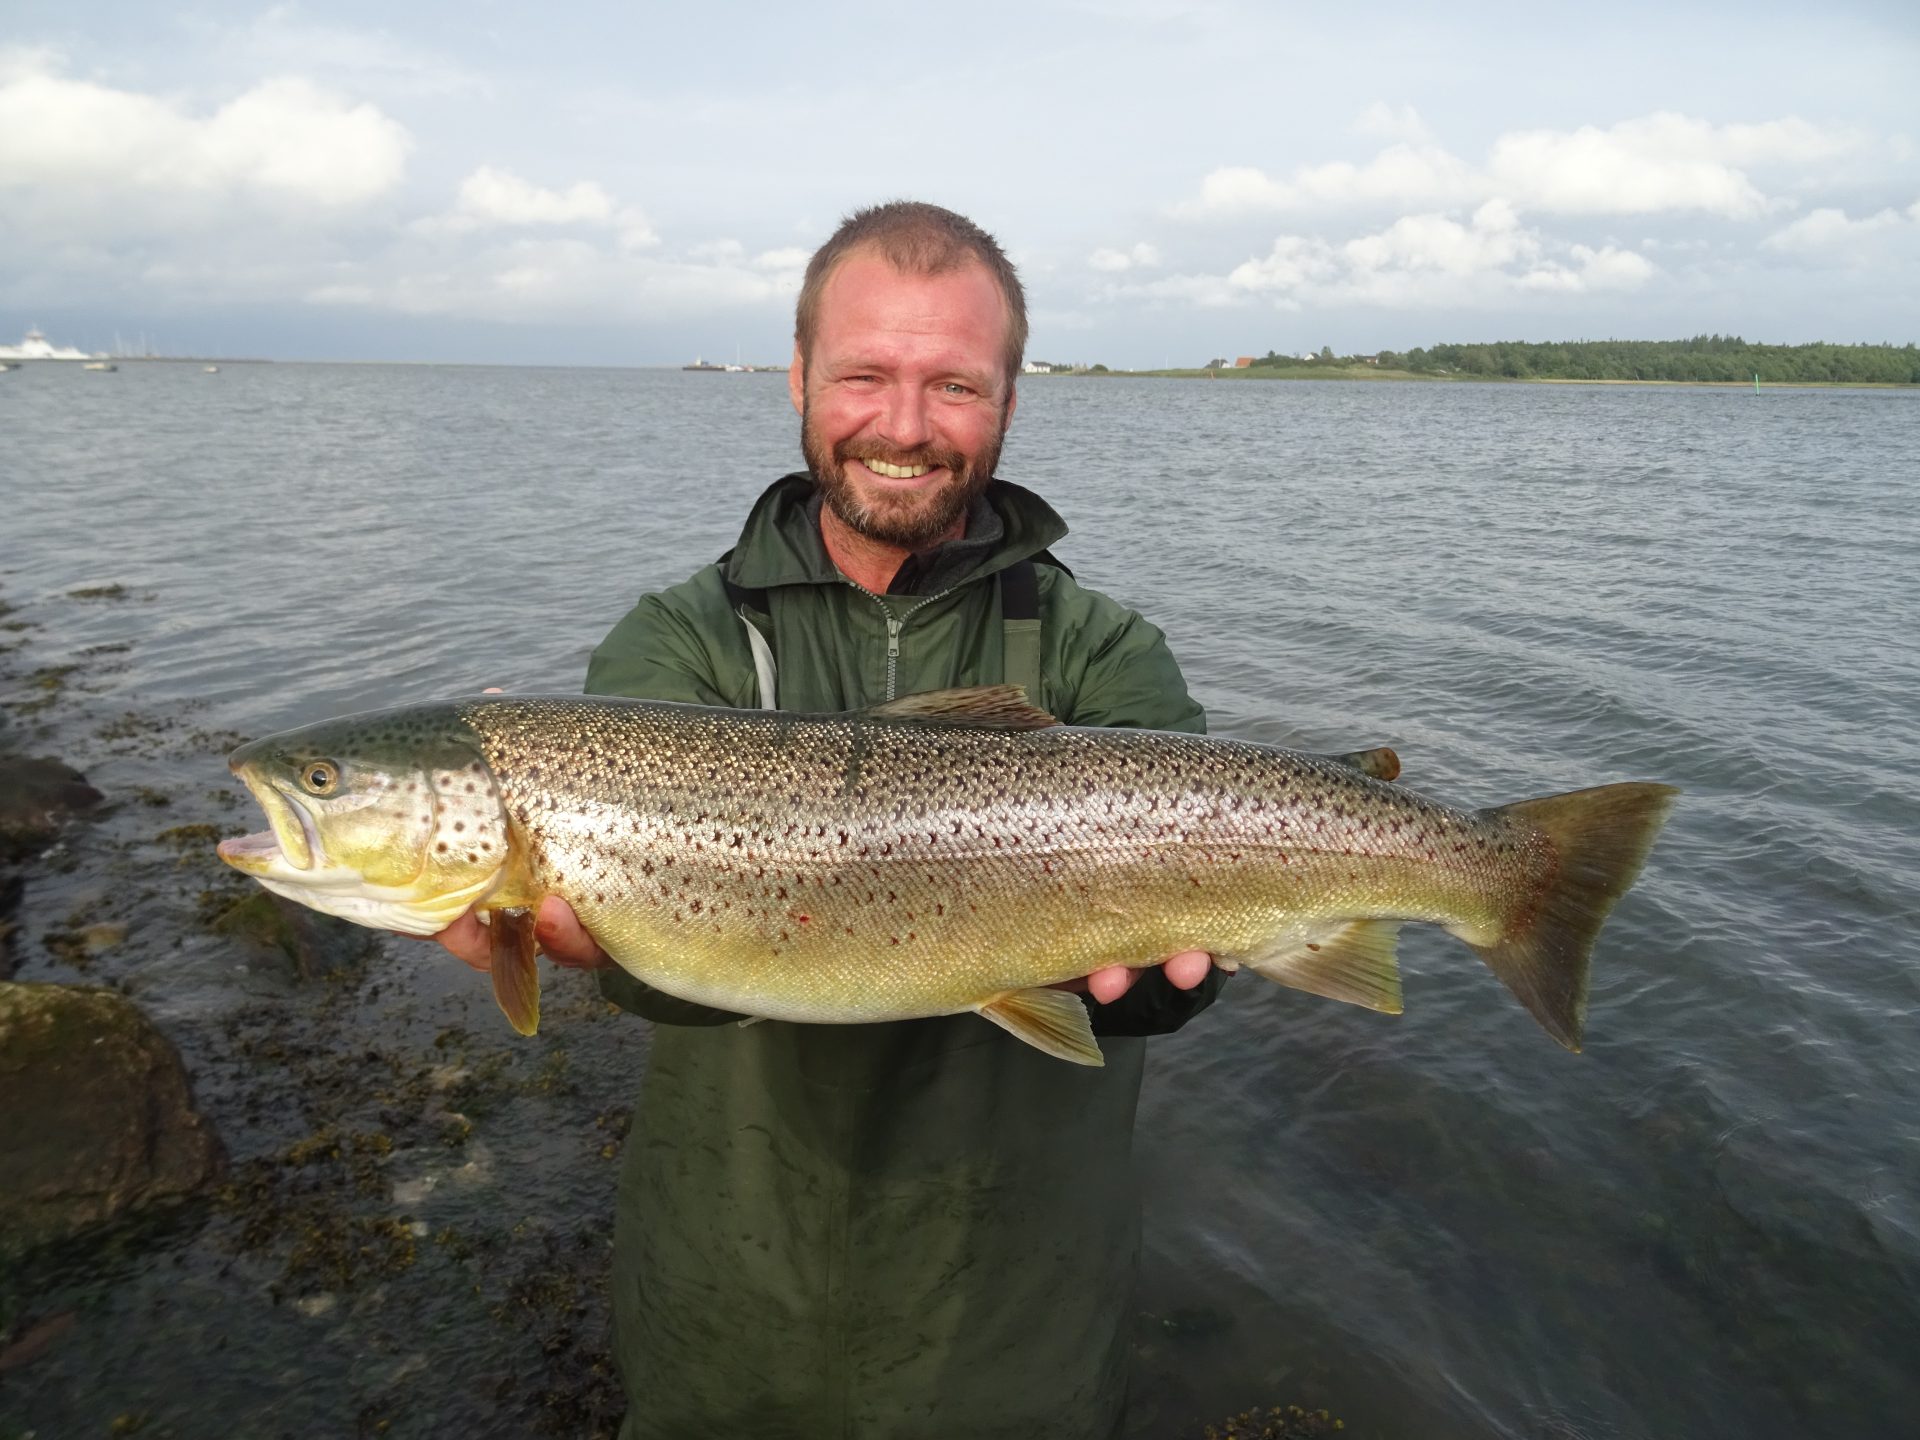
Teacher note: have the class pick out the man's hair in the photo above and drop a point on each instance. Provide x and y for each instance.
(916, 239)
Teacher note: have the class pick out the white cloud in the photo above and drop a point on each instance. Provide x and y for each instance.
(791, 257)
(1426, 259)
(1660, 163)
(1140, 257)
(282, 39)
(554, 279)
(1832, 235)
(636, 231)
(75, 149)
(1393, 122)
(1637, 168)
(491, 196)
(1607, 268)
(1494, 239)
(1401, 175)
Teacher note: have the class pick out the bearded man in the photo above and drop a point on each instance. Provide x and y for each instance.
(926, 1228)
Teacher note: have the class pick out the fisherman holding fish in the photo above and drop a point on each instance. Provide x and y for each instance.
(860, 810)
(921, 1228)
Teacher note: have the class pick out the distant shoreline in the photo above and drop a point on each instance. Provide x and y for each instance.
(1364, 373)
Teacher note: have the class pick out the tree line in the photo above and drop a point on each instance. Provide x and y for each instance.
(1704, 357)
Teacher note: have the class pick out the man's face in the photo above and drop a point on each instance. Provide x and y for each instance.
(903, 402)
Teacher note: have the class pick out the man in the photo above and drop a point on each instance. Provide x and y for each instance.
(918, 1229)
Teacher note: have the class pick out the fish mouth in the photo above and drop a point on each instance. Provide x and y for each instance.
(292, 842)
(255, 854)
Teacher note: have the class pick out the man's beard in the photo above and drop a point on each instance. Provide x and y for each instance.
(912, 521)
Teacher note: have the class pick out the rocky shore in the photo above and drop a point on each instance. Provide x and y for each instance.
(312, 1159)
(306, 1153)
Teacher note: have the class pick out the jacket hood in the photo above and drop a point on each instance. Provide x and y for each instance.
(780, 544)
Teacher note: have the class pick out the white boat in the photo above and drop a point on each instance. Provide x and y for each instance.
(35, 347)
(99, 365)
(213, 369)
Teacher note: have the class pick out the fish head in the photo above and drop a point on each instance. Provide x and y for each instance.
(391, 819)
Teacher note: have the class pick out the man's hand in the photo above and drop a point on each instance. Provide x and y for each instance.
(556, 927)
(1184, 971)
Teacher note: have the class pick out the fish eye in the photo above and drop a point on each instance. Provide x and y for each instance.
(319, 776)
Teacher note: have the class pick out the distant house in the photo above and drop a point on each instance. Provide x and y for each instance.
(1036, 367)
(1242, 362)
(1368, 359)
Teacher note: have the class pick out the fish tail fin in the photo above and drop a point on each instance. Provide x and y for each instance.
(1600, 839)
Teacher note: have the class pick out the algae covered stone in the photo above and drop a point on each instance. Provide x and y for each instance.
(99, 1118)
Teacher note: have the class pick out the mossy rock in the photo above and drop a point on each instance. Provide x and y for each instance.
(317, 944)
(99, 1119)
(37, 797)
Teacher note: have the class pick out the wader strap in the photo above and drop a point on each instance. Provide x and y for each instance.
(742, 600)
(1020, 619)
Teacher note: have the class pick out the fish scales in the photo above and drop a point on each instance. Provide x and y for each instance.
(941, 853)
(851, 868)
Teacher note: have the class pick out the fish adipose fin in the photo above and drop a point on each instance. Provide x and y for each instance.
(1051, 1020)
(516, 973)
(1600, 839)
(1354, 962)
(991, 707)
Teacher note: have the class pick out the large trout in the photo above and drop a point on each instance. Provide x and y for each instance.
(948, 852)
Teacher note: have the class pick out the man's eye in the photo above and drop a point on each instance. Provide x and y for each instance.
(954, 387)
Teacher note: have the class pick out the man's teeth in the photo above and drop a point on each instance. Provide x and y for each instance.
(896, 472)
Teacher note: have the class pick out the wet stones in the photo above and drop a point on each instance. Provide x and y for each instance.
(37, 798)
(99, 1119)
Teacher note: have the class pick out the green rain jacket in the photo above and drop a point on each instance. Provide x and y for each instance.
(872, 1232)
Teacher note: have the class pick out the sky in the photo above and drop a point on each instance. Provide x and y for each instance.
(641, 183)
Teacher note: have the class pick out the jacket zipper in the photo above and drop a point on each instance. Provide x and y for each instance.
(895, 624)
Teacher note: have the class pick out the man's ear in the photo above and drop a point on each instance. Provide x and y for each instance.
(797, 381)
(1013, 399)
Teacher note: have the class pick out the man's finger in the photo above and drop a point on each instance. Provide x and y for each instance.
(1108, 985)
(1187, 969)
(468, 938)
(564, 938)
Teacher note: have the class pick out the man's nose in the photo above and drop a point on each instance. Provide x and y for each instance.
(905, 420)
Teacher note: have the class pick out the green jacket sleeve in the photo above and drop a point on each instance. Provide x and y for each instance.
(657, 653)
(1130, 679)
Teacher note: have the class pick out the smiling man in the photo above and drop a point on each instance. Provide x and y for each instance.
(921, 1229)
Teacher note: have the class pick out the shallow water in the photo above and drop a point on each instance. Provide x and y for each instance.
(1437, 1225)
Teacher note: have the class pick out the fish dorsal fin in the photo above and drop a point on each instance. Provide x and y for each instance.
(1380, 762)
(993, 707)
(1051, 1020)
(1349, 960)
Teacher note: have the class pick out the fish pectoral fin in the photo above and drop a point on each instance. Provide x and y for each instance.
(991, 707)
(1051, 1020)
(1352, 961)
(516, 972)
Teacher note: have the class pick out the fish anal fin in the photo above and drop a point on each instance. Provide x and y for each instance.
(1051, 1020)
(516, 973)
(1350, 960)
(991, 707)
